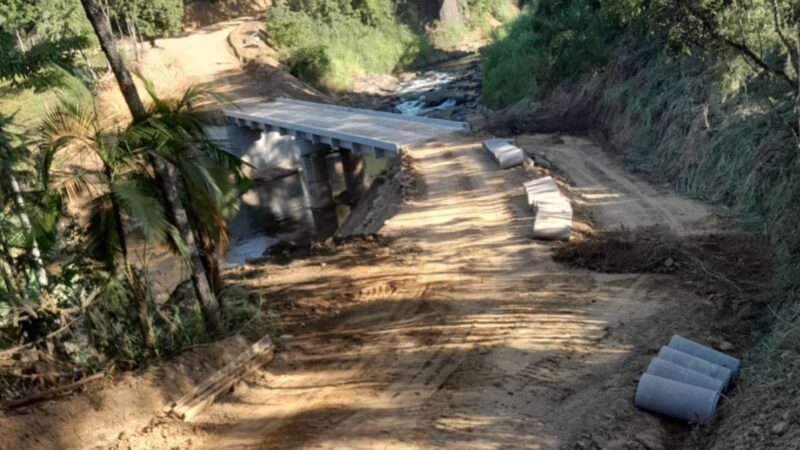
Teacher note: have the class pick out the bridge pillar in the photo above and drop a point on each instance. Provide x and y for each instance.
(354, 170)
(315, 173)
(326, 222)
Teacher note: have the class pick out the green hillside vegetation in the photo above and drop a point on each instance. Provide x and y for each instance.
(330, 42)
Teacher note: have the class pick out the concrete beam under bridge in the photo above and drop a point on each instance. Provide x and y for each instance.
(355, 174)
(315, 173)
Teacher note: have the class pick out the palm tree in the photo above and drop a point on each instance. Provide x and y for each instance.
(211, 177)
(164, 173)
(119, 186)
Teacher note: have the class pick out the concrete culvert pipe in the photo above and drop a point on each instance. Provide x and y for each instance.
(698, 365)
(497, 146)
(676, 399)
(703, 352)
(672, 371)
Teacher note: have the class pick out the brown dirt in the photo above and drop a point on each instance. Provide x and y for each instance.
(114, 409)
(453, 329)
(202, 13)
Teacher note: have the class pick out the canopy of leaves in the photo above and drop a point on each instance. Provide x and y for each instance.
(153, 18)
(330, 41)
(35, 35)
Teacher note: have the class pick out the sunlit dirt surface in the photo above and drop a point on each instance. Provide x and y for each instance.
(462, 332)
(452, 329)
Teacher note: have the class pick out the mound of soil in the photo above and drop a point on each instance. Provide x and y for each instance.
(731, 263)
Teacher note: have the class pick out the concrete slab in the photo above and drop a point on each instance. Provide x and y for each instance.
(355, 129)
(495, 145)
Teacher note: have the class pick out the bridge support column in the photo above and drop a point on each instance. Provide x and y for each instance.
(315, 173)
(354, 174)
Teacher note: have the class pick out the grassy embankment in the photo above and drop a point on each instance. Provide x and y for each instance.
(704, 118)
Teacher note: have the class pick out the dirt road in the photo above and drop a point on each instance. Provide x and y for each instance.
(459, 331)
(462, 332)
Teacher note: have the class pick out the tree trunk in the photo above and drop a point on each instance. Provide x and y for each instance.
(139, 294)
(21, 43)
(8, 273)
(92, 73)
(208, 249)
(10, 284)
(41, 273)
(123, 76)
(208, 301)
(165, 180)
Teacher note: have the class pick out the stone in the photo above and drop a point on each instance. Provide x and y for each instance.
(780, 428)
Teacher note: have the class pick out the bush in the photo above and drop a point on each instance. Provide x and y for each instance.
(550, 42)
(327, 44)
(477, 26)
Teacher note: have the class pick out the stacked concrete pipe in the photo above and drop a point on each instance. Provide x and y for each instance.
(553, 210)
(504, 152)
(685, 381)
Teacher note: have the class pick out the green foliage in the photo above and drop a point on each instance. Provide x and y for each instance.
(572, 37)
(35, 36)
(328, 42)
(553, 40)
(477, 26)
(153, 18)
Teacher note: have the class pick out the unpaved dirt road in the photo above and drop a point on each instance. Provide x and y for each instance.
(462, 333)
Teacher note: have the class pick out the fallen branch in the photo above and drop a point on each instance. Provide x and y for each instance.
(50, 393)
(223, 380)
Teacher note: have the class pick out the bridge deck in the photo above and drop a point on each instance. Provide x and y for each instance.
(356, 129)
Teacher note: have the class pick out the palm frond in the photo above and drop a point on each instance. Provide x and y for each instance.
(140, 203)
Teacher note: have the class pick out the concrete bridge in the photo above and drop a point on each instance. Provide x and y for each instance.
(306, 133)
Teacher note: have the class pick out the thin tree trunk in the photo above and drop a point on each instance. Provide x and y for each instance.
(88, 63)
(165, 179)
(123, 76)
(10, 284)
(208, 249)
(119, 28)
(41, 273)
(107, 13)
(21, 43)
(208, 301)
(9, 273)
(139, 295)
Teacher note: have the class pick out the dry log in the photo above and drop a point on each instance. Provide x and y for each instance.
(223, 380)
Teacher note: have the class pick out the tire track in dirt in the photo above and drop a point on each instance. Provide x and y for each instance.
(615, 196)
(489, 345)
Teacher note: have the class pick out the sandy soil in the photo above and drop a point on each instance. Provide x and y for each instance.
(459, 331)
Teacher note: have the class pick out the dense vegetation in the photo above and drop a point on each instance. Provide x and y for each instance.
(476, 26)
(701, 94)
(330, 41)
(83, 200)
(41, 39)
